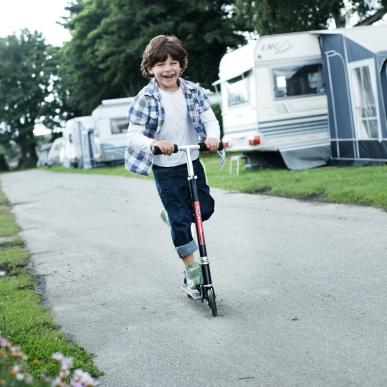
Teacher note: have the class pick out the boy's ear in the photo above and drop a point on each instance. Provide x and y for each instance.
(149, 69)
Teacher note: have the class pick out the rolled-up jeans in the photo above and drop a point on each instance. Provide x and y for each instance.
(172, 186)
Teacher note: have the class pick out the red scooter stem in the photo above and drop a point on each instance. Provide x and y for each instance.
(197, 215)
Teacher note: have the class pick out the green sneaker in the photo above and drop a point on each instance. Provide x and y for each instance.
(164, 217)
(193, 275)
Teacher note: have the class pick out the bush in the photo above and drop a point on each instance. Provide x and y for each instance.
(3, 163)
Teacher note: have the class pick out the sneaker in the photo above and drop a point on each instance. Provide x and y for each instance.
(164, 217)
(193, 275)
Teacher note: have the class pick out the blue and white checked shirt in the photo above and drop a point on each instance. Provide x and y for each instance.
(147, 111)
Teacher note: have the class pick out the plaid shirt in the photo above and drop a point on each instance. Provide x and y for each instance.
(147, 111)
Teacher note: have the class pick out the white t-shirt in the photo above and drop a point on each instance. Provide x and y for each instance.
(176, 128)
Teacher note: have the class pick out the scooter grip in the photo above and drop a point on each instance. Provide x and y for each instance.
(156, 150)
(203, 147)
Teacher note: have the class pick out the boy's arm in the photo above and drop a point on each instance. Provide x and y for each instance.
(210, 123)
(138, 115)
(136, 138)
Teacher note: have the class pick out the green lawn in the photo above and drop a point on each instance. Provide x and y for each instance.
(24, 321)
(350, 185)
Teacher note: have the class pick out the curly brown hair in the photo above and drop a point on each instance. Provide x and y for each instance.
(158, 50)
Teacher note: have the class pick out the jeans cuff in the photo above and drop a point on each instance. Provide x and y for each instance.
(187, 249)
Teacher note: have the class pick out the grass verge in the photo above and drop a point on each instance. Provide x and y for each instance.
(23, 319)
(347, 185)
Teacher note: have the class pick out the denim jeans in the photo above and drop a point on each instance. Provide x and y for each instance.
(172, 186)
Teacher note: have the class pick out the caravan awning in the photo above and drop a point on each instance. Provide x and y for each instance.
(372, 38)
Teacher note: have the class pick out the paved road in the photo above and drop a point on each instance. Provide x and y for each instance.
(302, 287)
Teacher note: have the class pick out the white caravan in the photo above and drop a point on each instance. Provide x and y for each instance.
(78, 140)
(110, 128)
(56, 152)
(274, 101)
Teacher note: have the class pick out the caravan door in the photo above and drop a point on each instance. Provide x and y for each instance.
(365, 104)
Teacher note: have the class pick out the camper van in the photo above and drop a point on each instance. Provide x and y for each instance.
(78, 142)
(274, 104)
(110, 128)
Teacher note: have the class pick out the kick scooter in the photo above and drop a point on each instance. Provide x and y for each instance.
(204, 291)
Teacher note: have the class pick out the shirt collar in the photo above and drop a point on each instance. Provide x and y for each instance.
(153, 90)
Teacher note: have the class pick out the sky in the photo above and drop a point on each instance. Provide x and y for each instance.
(40, 15)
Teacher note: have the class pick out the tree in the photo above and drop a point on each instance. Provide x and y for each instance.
(27, 77)
(109, 36)
(276, 16)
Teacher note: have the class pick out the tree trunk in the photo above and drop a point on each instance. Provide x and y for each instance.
(3, 163)
(27, 146)
(339, 19)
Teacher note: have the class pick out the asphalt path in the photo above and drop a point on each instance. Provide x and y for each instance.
(302, 287)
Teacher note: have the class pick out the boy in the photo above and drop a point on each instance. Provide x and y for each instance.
(171, 110)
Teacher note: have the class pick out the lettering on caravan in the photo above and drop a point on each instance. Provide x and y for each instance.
(278, 47)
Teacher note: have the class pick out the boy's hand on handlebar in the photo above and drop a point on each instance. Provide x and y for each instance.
(212, 144)
(165, 146)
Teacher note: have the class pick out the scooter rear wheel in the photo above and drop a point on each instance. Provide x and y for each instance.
(211, 301)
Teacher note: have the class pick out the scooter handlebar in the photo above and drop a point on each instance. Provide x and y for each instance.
(156, 150)
(202, 148)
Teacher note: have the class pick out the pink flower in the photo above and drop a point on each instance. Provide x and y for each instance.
(82, 379)
(4, 343)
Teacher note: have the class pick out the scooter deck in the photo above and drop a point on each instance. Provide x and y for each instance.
(192, 293)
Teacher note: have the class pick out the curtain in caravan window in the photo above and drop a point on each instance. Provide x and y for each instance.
(119, 125)
(365, 104)
(237, 90)
(298, 80)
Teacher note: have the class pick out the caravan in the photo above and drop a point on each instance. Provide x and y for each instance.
(110, 128)
(274, 101)
(78, 142)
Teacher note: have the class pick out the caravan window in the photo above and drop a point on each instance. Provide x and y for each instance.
(119, 125)
(237, 90)
(364, 100)
(299, 80)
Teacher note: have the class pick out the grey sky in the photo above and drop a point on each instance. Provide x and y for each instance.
(40, 15)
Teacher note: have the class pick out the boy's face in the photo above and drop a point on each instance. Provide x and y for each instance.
(167, 73)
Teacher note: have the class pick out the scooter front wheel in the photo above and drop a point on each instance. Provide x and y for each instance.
(211, 301)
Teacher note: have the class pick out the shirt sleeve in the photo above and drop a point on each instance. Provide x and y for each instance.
(139, 111)
(210, 123)
(136, 138)
(203, 100)
(207, 115)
